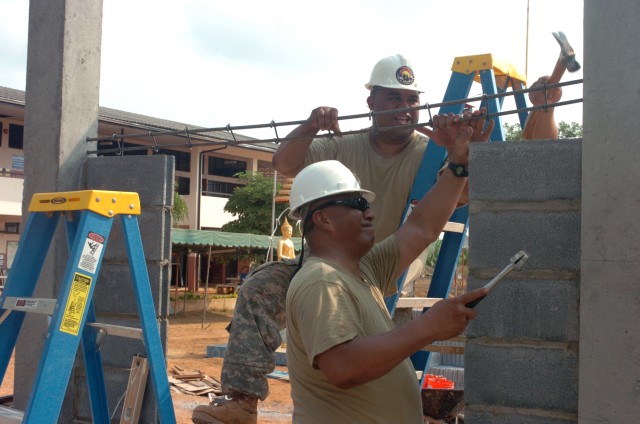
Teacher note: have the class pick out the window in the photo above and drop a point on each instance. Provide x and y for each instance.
(182, 185)
(12, 227)
(16, 134)
(219, 188)
(225, 167)
(113, 144)
(183, 159)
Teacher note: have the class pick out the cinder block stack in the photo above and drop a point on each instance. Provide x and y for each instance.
(521, 356)
(152, 178)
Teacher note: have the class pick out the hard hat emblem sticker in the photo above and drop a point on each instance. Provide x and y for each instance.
(405, 76)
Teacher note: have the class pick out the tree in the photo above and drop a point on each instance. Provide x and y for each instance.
(251, 203)
(432, 255)
(572, 130)
(512, 132)
(565, 130)
(180, 211)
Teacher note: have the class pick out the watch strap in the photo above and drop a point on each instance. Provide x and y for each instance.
(458, 169)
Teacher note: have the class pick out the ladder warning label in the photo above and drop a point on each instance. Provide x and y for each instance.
(91, 252)
(76, 304)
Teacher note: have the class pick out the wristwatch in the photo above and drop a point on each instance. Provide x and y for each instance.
(458, 169)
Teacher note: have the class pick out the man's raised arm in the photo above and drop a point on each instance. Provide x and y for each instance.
(289, 158)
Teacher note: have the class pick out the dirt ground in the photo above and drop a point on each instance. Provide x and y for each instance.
(188, 342)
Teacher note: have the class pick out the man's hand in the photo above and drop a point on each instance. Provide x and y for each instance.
(449, 317)
(446, 127)
(324, 118)
(537, 97)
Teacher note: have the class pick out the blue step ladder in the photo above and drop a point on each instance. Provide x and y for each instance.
(88, 217)
(496, 77)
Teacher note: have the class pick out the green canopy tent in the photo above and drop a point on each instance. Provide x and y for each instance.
(203, 238)
(212, 242)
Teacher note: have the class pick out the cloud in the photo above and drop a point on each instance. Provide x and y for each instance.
(210, 63)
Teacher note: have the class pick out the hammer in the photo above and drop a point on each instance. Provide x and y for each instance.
(515, 262)
(566, 61)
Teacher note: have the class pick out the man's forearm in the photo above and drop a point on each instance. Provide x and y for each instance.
(428, 218)
(289, 158)
(540, 125)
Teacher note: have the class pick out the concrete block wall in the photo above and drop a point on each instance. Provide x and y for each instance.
(152, 178)
(521, 357)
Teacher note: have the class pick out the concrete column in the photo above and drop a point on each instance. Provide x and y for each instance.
(610, 283)
(63, 78)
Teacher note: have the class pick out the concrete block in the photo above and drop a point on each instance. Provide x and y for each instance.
(552, 240)
(520, 417)
(114, 290)
(528, 309)
(118, 351)
(148, 176)
(151, 224)
(526, 171)
(520, 376)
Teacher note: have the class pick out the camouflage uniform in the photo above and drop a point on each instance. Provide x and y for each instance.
(254, 331)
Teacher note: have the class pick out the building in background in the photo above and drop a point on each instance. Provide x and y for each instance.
(205, 163)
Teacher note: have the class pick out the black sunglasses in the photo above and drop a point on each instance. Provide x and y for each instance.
(359, 203)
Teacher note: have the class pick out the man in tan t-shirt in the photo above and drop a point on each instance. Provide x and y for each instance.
(347, 361)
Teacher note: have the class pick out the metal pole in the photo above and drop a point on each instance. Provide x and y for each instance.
(273, 216)
(206, 288)
(526, 59)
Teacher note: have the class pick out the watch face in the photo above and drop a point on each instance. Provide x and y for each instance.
(458, 170)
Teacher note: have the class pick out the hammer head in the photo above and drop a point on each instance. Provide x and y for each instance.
(519, 259)
(566, 52)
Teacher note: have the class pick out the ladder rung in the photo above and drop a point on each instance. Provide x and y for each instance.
(118, 330)
(453, 227)
(416, 302)
(29, 304)
(447, 350)
(10, 415)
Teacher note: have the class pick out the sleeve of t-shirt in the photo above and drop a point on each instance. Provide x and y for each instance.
(382, 262)
(329, 315)
(321, 149)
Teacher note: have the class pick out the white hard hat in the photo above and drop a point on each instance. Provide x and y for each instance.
(393, 72)
(323, 179)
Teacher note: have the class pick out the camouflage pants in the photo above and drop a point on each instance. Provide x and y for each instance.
(254, 331)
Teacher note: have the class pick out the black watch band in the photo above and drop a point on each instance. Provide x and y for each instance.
(458, 169)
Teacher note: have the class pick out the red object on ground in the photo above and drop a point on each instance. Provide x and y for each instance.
(436, 382)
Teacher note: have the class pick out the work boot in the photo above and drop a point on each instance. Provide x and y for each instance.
(236, 410)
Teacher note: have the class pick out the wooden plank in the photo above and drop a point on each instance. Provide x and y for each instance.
(417, 302)
(449, 350)
(135, 390)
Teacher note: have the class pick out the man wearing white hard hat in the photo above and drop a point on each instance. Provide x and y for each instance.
(347, 361)
(385, 161)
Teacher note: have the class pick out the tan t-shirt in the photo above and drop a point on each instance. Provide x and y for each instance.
(326, 307)
(391, 179)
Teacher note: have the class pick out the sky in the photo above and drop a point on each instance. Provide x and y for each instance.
(213, 63)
